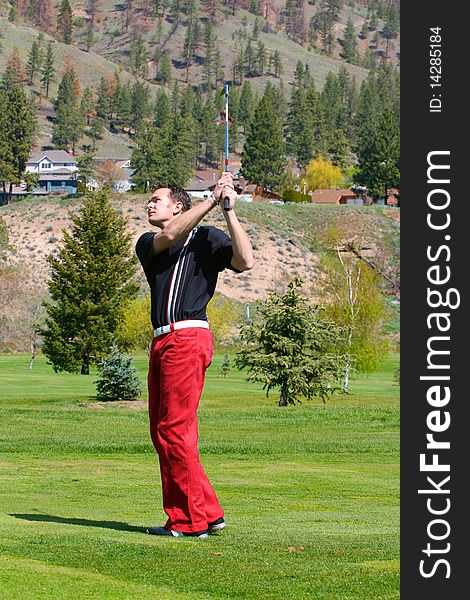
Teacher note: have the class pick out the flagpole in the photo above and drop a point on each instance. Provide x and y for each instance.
(226, 200)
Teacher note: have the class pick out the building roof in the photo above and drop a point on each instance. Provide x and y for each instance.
(60, 172)
(250, 188)
(52, 155)
(196, 185)
(332, 196)
(210, 175)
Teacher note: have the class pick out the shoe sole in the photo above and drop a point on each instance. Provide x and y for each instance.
(173, 533)
(218, 527)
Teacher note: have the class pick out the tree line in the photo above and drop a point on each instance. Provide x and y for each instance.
(354, 127)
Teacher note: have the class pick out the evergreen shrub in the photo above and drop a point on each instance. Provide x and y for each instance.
(117, 380)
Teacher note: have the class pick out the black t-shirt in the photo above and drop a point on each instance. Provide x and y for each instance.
(182, 278)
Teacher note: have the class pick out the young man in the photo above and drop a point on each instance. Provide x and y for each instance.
(181, 262)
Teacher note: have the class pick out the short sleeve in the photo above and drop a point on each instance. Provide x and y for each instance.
(144, 248)
(221, 249)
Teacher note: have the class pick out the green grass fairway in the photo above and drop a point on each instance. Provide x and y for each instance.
(310, 493)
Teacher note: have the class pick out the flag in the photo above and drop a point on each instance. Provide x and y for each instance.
(220, 118)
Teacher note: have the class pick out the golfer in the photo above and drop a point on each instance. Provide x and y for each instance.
(181, 261)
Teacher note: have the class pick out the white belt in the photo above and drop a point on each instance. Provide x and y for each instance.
(179, 325)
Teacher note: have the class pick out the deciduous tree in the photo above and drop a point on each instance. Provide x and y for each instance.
(322, 174)
(354, 302)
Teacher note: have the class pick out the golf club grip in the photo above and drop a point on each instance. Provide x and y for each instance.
(226, 203)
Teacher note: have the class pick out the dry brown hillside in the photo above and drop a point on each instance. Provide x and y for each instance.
(36, 228)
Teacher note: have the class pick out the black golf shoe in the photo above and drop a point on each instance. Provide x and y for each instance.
(216, 526)
(164, 531)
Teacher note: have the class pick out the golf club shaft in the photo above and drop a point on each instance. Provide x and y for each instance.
(226, 200)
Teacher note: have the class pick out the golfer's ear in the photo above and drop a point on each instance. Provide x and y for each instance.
(178, 208)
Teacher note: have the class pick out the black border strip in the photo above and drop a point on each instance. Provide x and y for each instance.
(424, 132)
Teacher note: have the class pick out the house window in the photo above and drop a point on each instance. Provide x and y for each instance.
(46, 165)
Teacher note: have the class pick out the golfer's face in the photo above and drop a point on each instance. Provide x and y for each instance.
(161, 208)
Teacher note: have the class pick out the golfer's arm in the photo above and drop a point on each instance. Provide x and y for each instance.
(242, 251)
(181, 225)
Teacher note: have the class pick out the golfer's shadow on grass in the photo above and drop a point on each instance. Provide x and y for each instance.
(83, 522)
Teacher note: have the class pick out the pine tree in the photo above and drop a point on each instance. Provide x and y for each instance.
(96, 130)
(34, 62)
(92, 279)
(260, 58)
(139, 58)
(350, 43)
(378, 154)
(364, 30)
(65, 93)
(208, 66)
(190, 44)
(175, 94)
(210, 133)
(146, 157)
(347, 101)
(277, 64)
(140, 104)
(48, 69)
(87, 104)
(90, 38)
(339, 150)
(162, 109)
(86, 168)
(225, 366)
(392, 22)
(164, 70)
(234, 109)
(117, 380)
(219, 72)
(18, 127)
(123, 105)
(316, 109)
(103, 101)
(93, 10)
(166, 154)
(263, 159)
(65, 21)
(249, 59)
(69, 123)
(291, 348)
(246, 105)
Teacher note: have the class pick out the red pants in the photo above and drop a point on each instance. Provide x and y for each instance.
(178, 362)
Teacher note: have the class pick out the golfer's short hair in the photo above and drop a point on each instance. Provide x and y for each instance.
(177, 193)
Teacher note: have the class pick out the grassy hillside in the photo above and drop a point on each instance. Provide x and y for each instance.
(90, 67)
